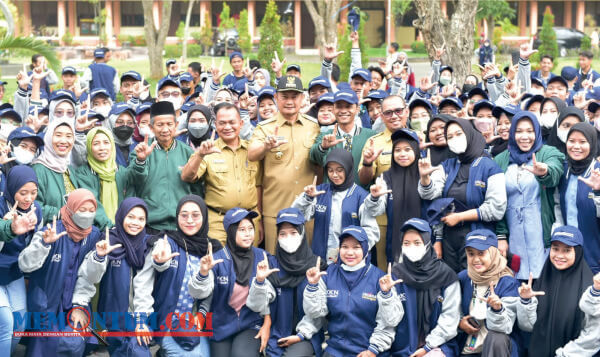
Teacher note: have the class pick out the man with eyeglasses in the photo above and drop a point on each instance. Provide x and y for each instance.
(169, 90)
(283, 144)
(377, 158)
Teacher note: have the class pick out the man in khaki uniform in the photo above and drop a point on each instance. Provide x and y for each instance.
(230, 178)
(377, 158)
(283, 144)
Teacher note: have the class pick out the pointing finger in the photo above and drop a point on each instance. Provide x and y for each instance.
(265, 258)
(14, 208)
(533, 158)
(315, 181)
(530, 279)
(212, 137)
(318, 266)
(106, 230)
(210, 249)
(390, 269)
(54, 223)
(492, 288)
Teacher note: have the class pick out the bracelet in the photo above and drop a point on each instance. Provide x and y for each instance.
(367, 165)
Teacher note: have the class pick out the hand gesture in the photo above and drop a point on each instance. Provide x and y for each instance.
(162, 252)
(597, 281)
(490, 136)
(274, 141)
(503, 246)
(439, 52)
(139, 88)
(208, 147)
(103, 247)
(354, 37)
(49, 236)
(539, 168)
(244, 99)
(143, 334)
(467, 327)
(262, 269)
(23, 79)
(307, 107)
(76, 88)
(593, 181)
(425, 84)
(380, 187)
(277, 65)
(288, 341)
(143, 150)
(331, 140)
(38, 73)
(448, 91)
(79, 318)
(386, 283)
(330, 52)
(174, 69)
(370, 155)
(216, 72)
(580, 102)
(436, 100)
(208, 262)
(313, 275)
(311, 190)
(396, 69)
(493, 300)
(22, 222)
(425, 168)
(249, 72)
(526, 49)
(526, 290)
(512, 72)
(4, 150)
(83, 124)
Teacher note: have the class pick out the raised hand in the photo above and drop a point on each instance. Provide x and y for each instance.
(143, 150)
(490, 136)
(23, 79)
(216, 72)
(277, 65)
(526, 290)
(526, 49)
(493, 300)
(262, 269)
(593, 181)
(538, 168)
(512, 72)
(249, 72)
(103, 247)
(208, 147)
(208, 262)
(396, 69)
(425, 84)
(12, 212)
(274, 141)
(39, 73)
(4, 150)
(370, 155)
(425, 168)
(22, 222)
(330, 52)
(380, 187)
(331, 140)
(139, 88)
(386, 283)
(83, 124)
(313, 275)
(162, 252)
(311, 190)
(439, 52)
(49, 236)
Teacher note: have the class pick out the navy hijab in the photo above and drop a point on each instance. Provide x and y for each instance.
(358, 233)
(17, 177)
(132, 247)
(518, 156)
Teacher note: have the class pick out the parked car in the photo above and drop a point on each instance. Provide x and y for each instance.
(223, 41)
(566, 38)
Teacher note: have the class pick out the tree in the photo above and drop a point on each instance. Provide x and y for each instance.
(271, 37)
(345, 44)
(206, 33)
(226, 22)
(100, 20)
(156, 35)
(547, 36)
(456, 32)
(245, 40)
(324, 14)
(399, 9)
(492, 11)
(32, 45)
(186, 31)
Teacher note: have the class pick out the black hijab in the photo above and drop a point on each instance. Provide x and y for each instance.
(344, 158)
(243, 258)
(439, 153)
(553, 139)
(475, 141)
(559, 319)
(579, 167)
(132, 247)
(548, 133)
(209, 119)
(427, 276)
(403, 181)
(294, 265)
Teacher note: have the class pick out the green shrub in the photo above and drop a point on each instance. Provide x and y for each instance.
(271, 38)
(586, 43)
(418, 47)
(194, 50)
(172, 51)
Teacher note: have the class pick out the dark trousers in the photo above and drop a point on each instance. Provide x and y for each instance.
(242, 344)
(496, 344)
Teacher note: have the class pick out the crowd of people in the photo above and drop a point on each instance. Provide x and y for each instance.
(375, 215)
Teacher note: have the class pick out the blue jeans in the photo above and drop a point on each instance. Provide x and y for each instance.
(172, 349)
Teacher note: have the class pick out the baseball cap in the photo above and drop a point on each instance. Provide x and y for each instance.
(185, 77)
(378, 94)
(235, 54)
(170, 61)
(345, 96)
(417, 224)
(324, 98)
(477, 91)
(69, 69)
(363, 73)
(25, 132)
(568, 235)
(290, 215)
(451, 101)
(99, 53)
(289, 83)
(484, 103)
(293, 67)
(568, 73)
(558, 79)
(119, 108)
(266, 91)
(319, 81)
(481, 239)
(62, 94)
(11, 113)
(142, 108)
(235, 215)
(357, 233)
(167, 81)
(99, 91)
(419, 103)
(510, 110)
(131, 74)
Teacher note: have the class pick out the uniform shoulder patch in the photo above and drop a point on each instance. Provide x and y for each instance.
(308, 117)
(265, 122)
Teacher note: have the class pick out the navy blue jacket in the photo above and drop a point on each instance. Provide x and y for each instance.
(103, 76)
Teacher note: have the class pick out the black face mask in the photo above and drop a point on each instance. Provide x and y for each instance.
(42, 129)
(467, 87)
(186, 90)
(123, 132)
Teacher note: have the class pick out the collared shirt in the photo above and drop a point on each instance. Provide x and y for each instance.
(287, 168)
(383, 141)
(230, 178)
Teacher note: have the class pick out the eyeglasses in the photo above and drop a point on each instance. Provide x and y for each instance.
(194, 216)
(165, 94)
(389, 113)
(61, 113)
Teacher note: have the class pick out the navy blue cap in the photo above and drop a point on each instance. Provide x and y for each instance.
(235, 54)
(405, 134)
(236, 215)
(119, 108)
(481, 239)
(99, 53)
(593, 94)
(131, 74)
(568, 235)
(418, 102)
(593, 107)
(325, 98)
(345, 96)
(446, 68)
(558, 79)
(344, 86)
(357, 233)
(319, 81)
(187, 77)
(354, 19)
(69, 69)
(142, 108)
(62, 94)
(25, 132)
(451, 101)
(378, 94)
(568, 73)
(293, 67)
(12, 114)
(363, 73)
(265, 92)
(35, 109)
(290, 215)
(93, 115)
(484, 103)
(187, 106)
(98, 91)
(167, 81)
(170, 61)
(477, 91)
(537, 81)
(533, 99)
(2, 83)
(417, 224)
(239, 86)
(510, 110)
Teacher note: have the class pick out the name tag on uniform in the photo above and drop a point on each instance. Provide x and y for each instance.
(480, 184)
(115, 263)
(218, 161)
(386, 152)
(354, 215)
(332, 293)
(591, 195)
(369, 296)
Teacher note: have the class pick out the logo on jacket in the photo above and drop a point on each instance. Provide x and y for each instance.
(402, 297)
(321, 208)
(369, 296)
(479, 183)
(332, 293)
(174, 263)
(116, 263)
(56, 258)
(224, 280)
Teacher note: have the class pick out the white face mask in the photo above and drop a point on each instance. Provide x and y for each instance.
(547, 120)
(176, 102)
(458, 145)
(145, 131)
(23, 156)
(414, 253)
(562, 134)
(355, 267)
(290, 243)
(103, 110)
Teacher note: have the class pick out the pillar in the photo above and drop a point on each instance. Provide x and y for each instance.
(444, 6)
(297, 24)
(533, 17)
(252, 18)
(580, 15)
(522, 18)
(389, 23)
(26, 9)
(108, 25)
(568, 14)
(61, 19)
(117, 17)
(203, 11)
(72, 18)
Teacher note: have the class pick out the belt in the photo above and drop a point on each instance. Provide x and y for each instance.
(217, 211)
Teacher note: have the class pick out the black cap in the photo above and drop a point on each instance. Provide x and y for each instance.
(289, 83)
(162, 108)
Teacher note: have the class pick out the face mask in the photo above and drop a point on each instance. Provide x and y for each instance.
(103, 110)
(355, 267)
(290, 244)
(536, 91)
(197, 130)
(444, 81)
(458, 145)
(414, 253)
(486, 44)
(562, 134)
(83, 220)
(22, 156)
(419, 125)
(186, 90)
(43, 129)
(145, 131)
(176, 102)
(123, 132)
(547, 120)
(467, 87)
